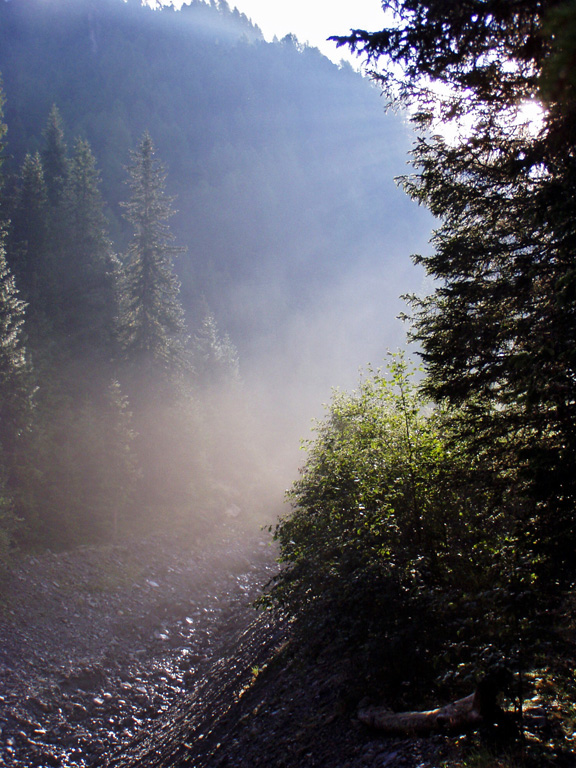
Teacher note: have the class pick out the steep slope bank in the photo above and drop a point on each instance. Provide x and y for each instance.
(101, 646)
(150, 654)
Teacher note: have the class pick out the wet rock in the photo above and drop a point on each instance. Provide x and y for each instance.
(76, 712)
(89, 687)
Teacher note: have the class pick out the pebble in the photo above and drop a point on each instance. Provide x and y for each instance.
(76, 719)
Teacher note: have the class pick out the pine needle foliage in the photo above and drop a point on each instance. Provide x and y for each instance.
(497, 334)
(152, 326)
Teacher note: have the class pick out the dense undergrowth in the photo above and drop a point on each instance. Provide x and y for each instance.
(407, 553)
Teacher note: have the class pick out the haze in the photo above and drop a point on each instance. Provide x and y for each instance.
(313, 21)
(297, 238)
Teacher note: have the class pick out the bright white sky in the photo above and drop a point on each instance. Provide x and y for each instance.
(312, 21)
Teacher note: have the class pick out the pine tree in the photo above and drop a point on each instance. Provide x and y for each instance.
(151, 337)
(151, 328)
(16, 394)
(86, 263)
(28, 249)
(55, 157)
(3, 127)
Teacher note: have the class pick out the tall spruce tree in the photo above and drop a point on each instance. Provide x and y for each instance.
(3, 130)
(86, 263)
(55, 156)
(16, 394)
(498, 333)
(152, 340)
(151, 325)
(28, 243)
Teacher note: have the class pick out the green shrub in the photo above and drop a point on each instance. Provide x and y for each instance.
(397, 545)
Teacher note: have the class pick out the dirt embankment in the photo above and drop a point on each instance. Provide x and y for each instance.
(150, 654)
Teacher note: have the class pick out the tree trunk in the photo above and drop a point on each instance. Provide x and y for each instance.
(479, 708)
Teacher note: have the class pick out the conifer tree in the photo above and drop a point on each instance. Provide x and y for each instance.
(215, 356)
(16, 395)
(151, 337)
(28, 244)
(86, 264)
(14, 392)
(3, 127)
(151, 328)
(55, 157)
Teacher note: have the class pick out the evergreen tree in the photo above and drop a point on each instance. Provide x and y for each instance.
(28, 245)
(55, 157)
(498, 333)
(11, 359)
(3, 127)
(151, 327)
(15, 402)
(215, 358)
(151, 336)
(3, 130)
(14, 390)
(86, 264)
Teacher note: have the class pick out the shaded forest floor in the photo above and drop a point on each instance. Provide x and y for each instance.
(150, 654)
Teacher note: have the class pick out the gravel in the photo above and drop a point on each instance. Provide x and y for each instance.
(151, 654)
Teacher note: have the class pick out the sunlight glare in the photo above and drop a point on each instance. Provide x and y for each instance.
(530, 116)
(528, 119)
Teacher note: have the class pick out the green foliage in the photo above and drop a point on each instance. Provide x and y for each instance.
(13, 391)
(496, 334)
(15, 385)
(28, 249)
(55, 157)
(16, 405)
(86, 265)
(3, 126)
(151, 328)
(393, 531)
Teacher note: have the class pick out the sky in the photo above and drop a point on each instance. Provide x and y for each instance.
(312, 21)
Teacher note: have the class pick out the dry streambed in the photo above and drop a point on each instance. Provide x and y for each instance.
(151, 656)
(104, 652)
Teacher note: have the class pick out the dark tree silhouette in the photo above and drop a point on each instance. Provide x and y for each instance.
(151, 327)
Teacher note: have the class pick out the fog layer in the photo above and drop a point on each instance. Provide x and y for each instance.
(282, 165)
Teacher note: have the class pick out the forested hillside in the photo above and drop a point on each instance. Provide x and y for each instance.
(175, 385)
(282, 163)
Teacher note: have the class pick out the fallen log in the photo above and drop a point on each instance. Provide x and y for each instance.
(458, 716)
(479, 708)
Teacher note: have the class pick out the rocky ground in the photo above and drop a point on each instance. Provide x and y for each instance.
(98, 645)
(150, 654)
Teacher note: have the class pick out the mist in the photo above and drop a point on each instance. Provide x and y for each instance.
(297, 237)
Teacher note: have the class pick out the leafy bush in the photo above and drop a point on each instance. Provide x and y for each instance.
(397, 545)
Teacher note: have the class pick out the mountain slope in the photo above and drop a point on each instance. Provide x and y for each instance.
(282, 163)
